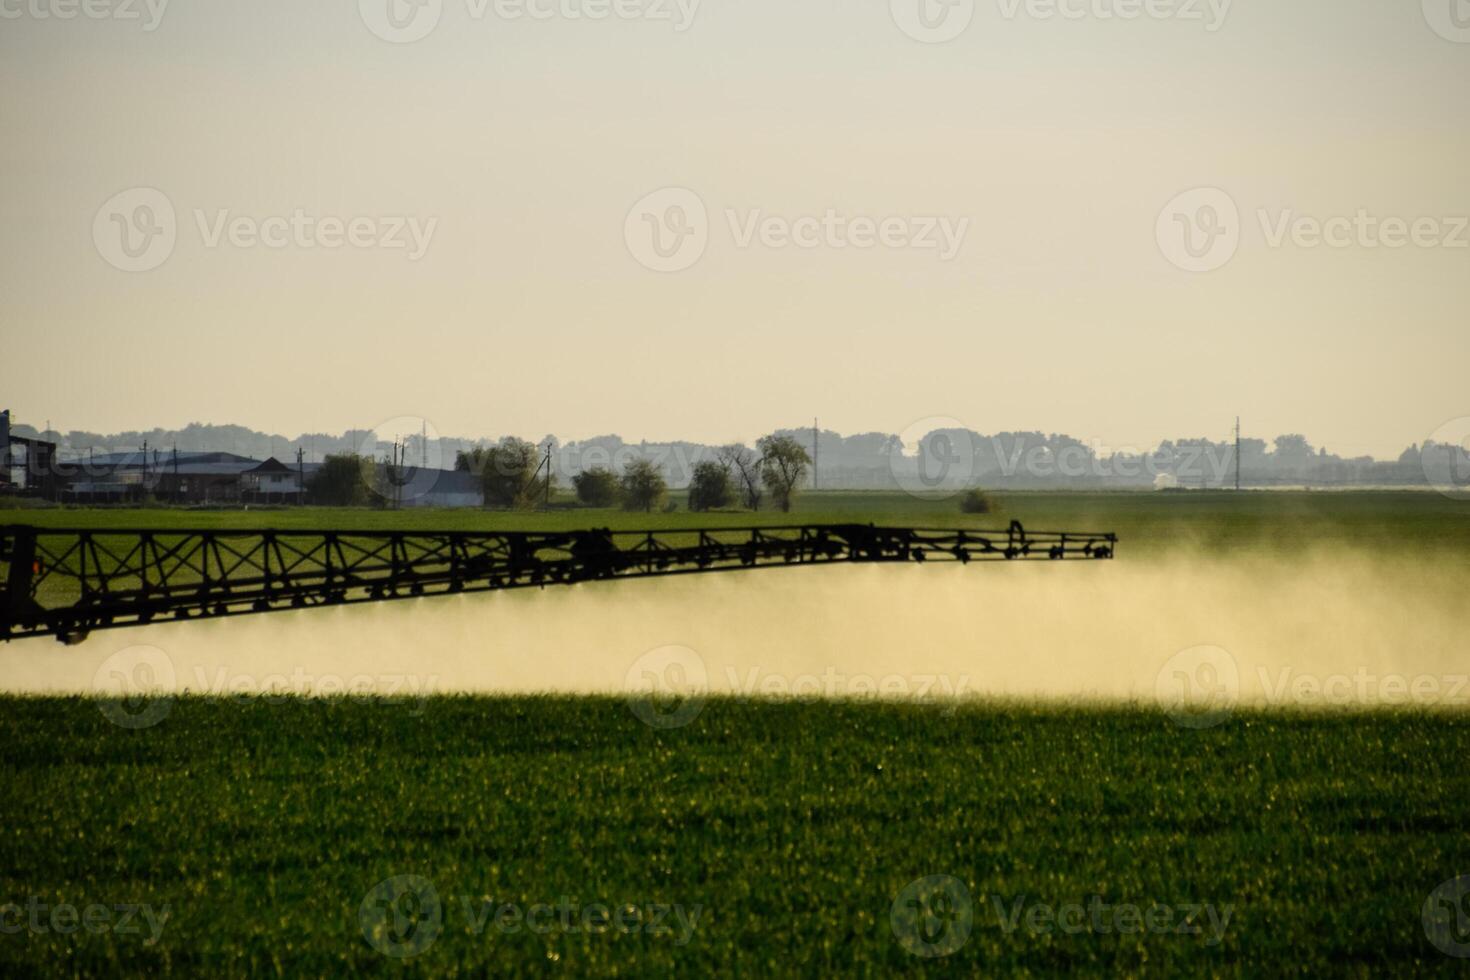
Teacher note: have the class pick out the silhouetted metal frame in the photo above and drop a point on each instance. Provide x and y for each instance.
(67, 582)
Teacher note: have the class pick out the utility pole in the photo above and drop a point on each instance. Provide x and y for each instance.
(178, 494)
(1237, 454)
(400, 451)
(547, 504)
(300, 476)
(816, 452)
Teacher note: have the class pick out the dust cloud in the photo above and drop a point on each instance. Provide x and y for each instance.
(1333, 627)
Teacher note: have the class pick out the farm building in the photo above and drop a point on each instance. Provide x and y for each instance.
(27, 466)
(228, 478)
(444, 488)
(273, 482)
(195, 478)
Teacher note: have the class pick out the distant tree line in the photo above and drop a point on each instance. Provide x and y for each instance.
(736, 476)
(951, 459)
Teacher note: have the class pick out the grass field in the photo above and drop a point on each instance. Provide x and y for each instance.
(769, 838)
(256, 835)
(1147, 522)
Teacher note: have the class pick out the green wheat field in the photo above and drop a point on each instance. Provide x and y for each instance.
(482, 835)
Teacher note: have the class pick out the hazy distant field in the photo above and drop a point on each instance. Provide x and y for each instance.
(769, 838)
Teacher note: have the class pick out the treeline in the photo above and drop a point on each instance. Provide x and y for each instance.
(945, 459)
(518, 474)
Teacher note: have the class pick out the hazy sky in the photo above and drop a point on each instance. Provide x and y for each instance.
(512, 152)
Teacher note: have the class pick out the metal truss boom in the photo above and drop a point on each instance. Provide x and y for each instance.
(67, 582)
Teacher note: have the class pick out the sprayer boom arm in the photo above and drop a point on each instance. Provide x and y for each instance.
(65, 583)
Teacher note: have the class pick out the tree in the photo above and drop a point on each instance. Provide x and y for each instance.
(471, 461)
(976, 501)
(710, 487)
(744, 467)
(783, 468)
(597, 487)
(644, 487)
(1293, 448)
(510, 477)
(342, 481)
